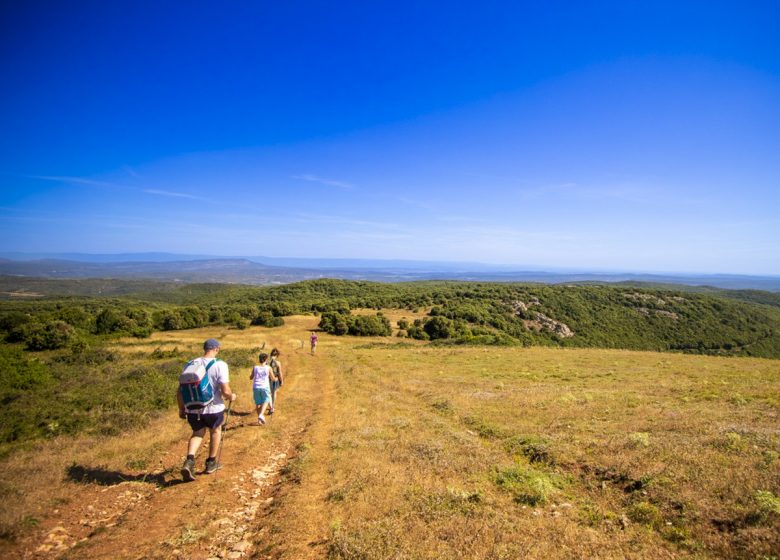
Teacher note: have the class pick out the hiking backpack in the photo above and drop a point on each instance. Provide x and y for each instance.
(195, 386)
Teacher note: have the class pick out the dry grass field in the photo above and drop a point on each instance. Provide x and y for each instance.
(396, 449)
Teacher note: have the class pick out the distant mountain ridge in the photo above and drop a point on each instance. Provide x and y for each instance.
(251, 270)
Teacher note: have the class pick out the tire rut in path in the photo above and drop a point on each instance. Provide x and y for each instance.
(301, 523)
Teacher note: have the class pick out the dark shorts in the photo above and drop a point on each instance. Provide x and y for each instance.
(275, 385)
(210, 421)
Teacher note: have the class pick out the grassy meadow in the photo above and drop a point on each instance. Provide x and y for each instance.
(546, 453)
(403, 449)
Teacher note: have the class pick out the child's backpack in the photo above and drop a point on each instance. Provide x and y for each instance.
(194, 384)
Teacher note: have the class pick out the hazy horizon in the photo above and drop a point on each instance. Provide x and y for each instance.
(337, 262)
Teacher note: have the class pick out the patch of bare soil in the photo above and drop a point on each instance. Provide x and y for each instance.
(158, 516)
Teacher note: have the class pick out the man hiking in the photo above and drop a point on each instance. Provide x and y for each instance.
(204, 386)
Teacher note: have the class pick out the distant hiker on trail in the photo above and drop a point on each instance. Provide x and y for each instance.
(276, 366)
(204, 386)
(313, 340)
(261, 377)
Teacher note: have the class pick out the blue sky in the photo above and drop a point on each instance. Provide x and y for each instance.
(584, 135)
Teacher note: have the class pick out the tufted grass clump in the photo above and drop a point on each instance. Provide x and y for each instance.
(768, 503)
(527, 484)
(639, 439)
(534, 448)
(645, 513)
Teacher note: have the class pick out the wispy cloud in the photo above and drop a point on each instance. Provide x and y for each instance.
(628, 193)
(93, 183)
(345, 221)
(76, 181)
(322, 181)
(175, 194)
(130, 171)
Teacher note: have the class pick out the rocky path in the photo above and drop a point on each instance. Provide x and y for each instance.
(218, 516)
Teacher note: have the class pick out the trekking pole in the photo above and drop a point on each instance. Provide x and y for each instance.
(222, 439)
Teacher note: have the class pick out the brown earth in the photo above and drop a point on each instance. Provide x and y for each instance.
(110, 513)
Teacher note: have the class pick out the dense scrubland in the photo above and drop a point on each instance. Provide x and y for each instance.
(55, 346)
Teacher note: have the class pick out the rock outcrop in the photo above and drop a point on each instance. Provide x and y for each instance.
(539, 321)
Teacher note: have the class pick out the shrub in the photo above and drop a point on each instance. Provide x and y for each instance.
(50, 336)
(439, 327)
(334, 322)
(13, 320)
(417, 332)
(267, 319)
(337, 323)
(365, 325)
(18, 373)
(107, 321)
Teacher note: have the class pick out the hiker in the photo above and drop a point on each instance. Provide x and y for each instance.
(204, 406)
(313, 340)
(276, 366)
(261, 377)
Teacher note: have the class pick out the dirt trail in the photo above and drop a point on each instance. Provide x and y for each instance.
(302, 523)
(216, 516)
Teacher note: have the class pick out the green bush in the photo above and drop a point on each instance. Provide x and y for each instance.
(267, 319)
(439, 327)
(366, 325)
(334, 322)
(50, 336)
(337, 323)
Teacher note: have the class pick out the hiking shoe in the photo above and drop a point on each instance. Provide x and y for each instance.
(212, 466)
(260, 419)
(270, 410)
(188, 470)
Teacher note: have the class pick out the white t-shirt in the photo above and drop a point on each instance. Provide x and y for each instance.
(218, 373)
(261, 379)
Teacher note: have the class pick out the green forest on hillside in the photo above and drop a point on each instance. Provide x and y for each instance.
(744, 323)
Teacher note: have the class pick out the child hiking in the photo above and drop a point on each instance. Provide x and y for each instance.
(276, 366)
(203, 389)
(261, 377)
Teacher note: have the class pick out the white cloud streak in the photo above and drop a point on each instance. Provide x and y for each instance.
(175, 194)
(93, 183)
(322, 181)
(76, 181)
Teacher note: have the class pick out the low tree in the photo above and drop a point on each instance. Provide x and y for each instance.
(439, 327)
(50, 336)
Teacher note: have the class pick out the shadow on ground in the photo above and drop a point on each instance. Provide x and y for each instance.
(104, 477)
